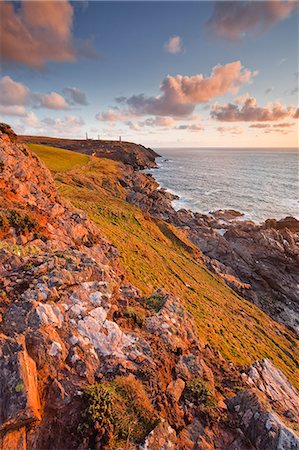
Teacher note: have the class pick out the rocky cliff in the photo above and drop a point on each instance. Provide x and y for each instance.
(259, 261)
(87, 361)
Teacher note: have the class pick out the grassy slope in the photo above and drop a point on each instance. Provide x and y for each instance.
(156, 254)
(58, 161)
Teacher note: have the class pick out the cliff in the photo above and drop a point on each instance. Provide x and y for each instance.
(91, 359)
(135, 155)
(259, 261)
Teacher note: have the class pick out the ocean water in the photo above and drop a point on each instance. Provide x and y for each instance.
(260, 183)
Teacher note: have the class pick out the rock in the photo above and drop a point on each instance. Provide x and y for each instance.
(14, 440)
(163, 437)
(226, 214)
(268, 410)
(264, 429)
(175, 389)
(20, 404)
(271, 381)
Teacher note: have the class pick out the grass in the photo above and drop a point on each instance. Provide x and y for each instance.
(121, 409)
(155, 254)
(55, 159)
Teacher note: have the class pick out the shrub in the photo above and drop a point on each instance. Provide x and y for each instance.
(136, 314)
(118, 411)
(155, 303)
(197, 391)
(20, 222)
(4, 222)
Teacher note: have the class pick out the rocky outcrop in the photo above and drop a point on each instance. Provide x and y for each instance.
(266, 410)
(259, 261)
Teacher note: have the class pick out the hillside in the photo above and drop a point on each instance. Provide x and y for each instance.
(114, 334)
(156, 254)
(136, 155)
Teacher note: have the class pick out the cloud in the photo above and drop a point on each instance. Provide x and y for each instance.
(14, 96)
(249, 111)
(173, 45)
(234, 19)
(165, 122)
(75, 96)
(296, 115)
(13, 110)
(63, 125)
(283, 128)
(284, 125)
(31, 120)
(180, 94)
(34, 33)
(259, 125)
(230, 130)
(52, 100)
(113, 115)
(12, 92)
(192, 127)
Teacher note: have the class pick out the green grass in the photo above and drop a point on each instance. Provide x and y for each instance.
(155, 254)
(56, 159)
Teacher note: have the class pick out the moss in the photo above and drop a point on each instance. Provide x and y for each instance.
(20, 250)
(198, 391)
(19, 387)
(136, 314)
(118, 411)
(21, 222)
(155, 303)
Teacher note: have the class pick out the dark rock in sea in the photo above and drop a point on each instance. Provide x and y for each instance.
(226, 214)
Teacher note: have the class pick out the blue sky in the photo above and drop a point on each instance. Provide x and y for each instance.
(133, 45)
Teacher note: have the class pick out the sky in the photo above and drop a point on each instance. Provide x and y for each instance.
(163, 74)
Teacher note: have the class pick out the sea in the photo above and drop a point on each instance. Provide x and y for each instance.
(260, 183)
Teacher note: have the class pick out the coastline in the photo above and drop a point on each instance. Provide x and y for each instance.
(203, 183)
(258, 260)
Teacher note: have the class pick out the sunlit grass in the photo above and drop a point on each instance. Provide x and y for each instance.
(57, 160)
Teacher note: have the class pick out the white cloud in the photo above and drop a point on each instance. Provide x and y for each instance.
(174, 45)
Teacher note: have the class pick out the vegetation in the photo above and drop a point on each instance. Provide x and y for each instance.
(155, 303)
(57, 160)
(197, 391)
(156, 254)
(118, 411)
(136, 314)
(20, 222)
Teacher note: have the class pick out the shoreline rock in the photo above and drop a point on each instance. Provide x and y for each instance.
(258, 261)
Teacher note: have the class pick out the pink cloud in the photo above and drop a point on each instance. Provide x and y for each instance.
(283, 128)
(14, 96)
(173, 45)
(165, 122)
(230, 130)
(180, 94)
(37, 32)
(12, 92)
(52, 100)
(113, 115)
(234, 19)
(249, 111)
